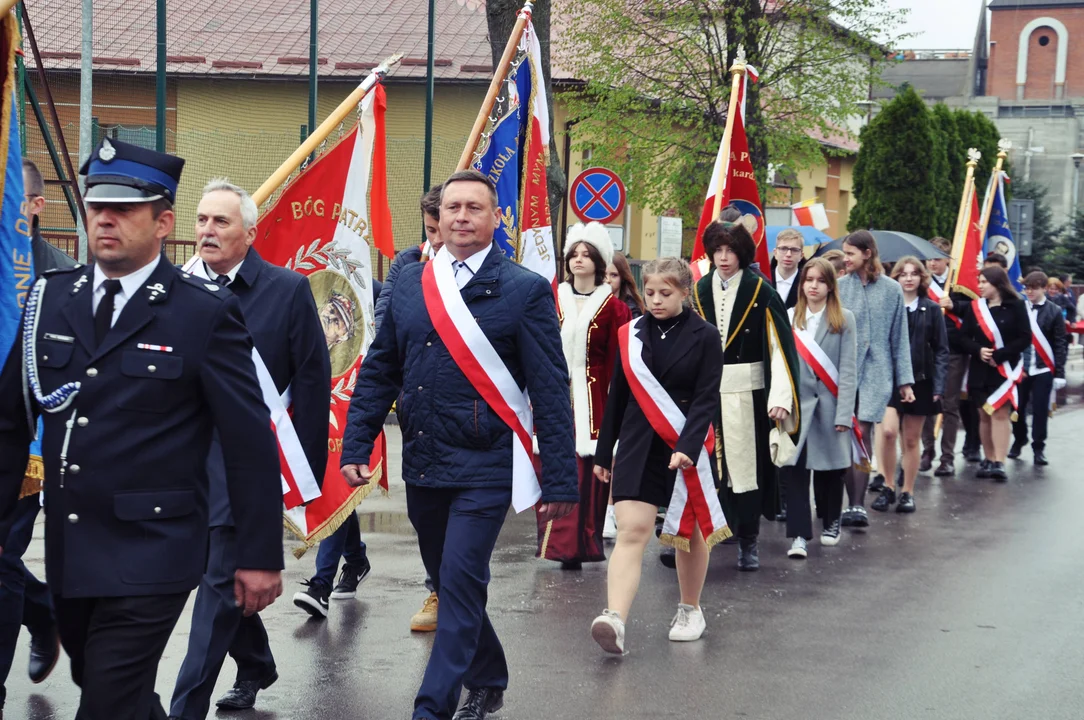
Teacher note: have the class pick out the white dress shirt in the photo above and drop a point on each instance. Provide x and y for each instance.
(813, 320)
(466, 270)
(129, 286)
(913, 305)
(783, 285)
(203, 269)
(941, 279)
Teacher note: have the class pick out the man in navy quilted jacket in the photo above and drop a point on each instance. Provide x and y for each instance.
(457, 452)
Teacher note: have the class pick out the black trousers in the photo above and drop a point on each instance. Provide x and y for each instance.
(827, 492)
(1034, 395)
(743, 512)
(24, 600)
(457, 530)
(219, 627)
(115, 644)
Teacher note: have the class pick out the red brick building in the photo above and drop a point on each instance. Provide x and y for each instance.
(1036, 49)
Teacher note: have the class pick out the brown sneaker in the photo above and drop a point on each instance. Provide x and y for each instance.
(425, 620)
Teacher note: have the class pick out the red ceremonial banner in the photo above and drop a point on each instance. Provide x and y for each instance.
(322, 226)
(739, 190)
(967, 280)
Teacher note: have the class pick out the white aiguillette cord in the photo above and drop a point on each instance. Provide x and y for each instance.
(59, 399)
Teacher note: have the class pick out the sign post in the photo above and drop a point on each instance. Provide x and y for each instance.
(669, 237)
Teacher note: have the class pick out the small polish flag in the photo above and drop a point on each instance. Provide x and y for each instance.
(809, 213)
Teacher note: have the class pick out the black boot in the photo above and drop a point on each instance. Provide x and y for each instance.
(748, 560)
(1014, 452)
(1039, 456)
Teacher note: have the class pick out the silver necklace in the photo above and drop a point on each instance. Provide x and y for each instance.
(663, 332)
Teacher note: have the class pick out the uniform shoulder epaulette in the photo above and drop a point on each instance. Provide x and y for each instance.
(206, 285)
(61, 270)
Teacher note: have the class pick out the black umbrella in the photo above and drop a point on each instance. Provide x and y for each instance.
(892, 246)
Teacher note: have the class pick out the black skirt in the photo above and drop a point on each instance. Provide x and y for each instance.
(924, 403)
(656, 485)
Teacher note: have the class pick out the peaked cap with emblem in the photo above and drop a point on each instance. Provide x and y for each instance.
(119, 172)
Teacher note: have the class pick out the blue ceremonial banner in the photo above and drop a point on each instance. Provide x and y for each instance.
(999, 236)
(16, 257)
(501, 155)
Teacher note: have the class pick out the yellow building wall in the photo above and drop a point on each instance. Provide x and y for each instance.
(243, 130)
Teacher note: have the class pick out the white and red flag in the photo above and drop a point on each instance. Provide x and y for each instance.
(735, 166)
(809, 213)
(536, 250)
(323, 226)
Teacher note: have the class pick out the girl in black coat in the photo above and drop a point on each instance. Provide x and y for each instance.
(1010, 315)
(903, 420)
(683, 352)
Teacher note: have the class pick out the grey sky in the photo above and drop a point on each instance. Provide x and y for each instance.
(939, 24)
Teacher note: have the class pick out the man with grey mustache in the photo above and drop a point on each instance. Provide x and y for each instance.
(281, 316)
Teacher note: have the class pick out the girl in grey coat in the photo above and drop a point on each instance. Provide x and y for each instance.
(824, 445)
(884, 350)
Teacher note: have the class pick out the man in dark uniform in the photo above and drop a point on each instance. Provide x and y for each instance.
(457, 452)
(280, 313)
(24, 600)
(133, 365)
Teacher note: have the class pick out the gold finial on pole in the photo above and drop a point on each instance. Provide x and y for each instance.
(963, 218)
(1003, 147)
(737, 71)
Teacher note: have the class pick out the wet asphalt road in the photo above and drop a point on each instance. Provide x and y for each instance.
(971, 608)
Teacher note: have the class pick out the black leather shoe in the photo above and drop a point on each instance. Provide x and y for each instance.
(997, 472)
(877, 484)
(748, 560)
(926, 463)
(480, 702)
(972, 454)
(1040, 457)
(44, 652)
(242, 695)
(668, 557)
(984, 469)
(1015, 451)
(945, 469)
(886, 499)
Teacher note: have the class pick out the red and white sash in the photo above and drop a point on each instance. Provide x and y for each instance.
(299, 485)
(1039, 342)
(484, 369)
(695, 502)
(826, 371)
(936, 292)
(1007, 391)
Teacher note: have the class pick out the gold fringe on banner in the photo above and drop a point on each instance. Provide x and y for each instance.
(34, 478)
(332, 524)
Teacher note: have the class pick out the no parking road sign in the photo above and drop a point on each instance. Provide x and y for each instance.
(597, 195)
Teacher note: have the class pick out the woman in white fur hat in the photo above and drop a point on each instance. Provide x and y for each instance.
(590, 316)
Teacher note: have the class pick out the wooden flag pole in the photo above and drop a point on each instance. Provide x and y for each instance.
(737, 71)
(963, 218)
(1003, 147)
(312, 142)
(499, 74)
